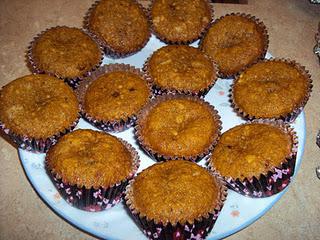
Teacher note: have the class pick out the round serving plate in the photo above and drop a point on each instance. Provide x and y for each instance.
(115, 223)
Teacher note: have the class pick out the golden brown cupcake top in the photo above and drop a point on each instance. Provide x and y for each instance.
(179, 126)
(173, 192)
(270, 89)
(38, 106)
(180, 20)
(250, 150)
(235, 41)
(116, 96)
(122, 24)
(90, 158)
(66, 52)
(183, 68)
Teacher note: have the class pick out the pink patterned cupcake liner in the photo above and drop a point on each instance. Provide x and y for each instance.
(266, 185)
(275, 180)
(94, 199)
(110, 126)
(34, 144)
(197, 230)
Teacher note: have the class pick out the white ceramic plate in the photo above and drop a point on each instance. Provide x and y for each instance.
(237, 213)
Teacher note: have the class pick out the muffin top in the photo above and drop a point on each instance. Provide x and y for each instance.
(66, 52)
(180, 20)
(234, 42)
(122, 24)
(250, 150)
(180, 67)
(38, 106)
(172, 192)
(116, 96)
(90, 158)
(178, 126)
(270, 89)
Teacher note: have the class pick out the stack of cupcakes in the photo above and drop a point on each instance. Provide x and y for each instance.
(164, 102)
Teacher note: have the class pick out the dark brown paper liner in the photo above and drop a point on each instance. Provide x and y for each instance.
(289, 117)
(158, 90)
(73, 82)
(167, 41)
(34, 144)
(90, 198)
(112, 124)
(198, 229)
(265, 39)
(160, 157)
(109, 50)
(275, 180)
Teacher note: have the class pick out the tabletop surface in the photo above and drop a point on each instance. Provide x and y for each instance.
(291, 25)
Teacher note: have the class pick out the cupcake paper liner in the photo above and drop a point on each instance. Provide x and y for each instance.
(109, 50)
(158, 90)
(289, 117)
(94, 199)
(265, 39)
(108, 125)
(161, 157)
(34, 144)
(198, 229)
(276, 179)
(73, 82)
(165, 40)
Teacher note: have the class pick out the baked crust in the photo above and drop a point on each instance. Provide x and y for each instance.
(38, 106)
(250, 150)
(173, 192)
(90, 158)
(65, 52)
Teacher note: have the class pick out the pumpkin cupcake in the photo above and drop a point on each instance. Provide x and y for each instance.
(112, 96)
(181, 69)
(272, 89)
(167, 200)
(178, 127)
(35, 110)
(66, 52)
(122, 26)
(180, 21)
(234, 42)
(91, 169)
(256, 159)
